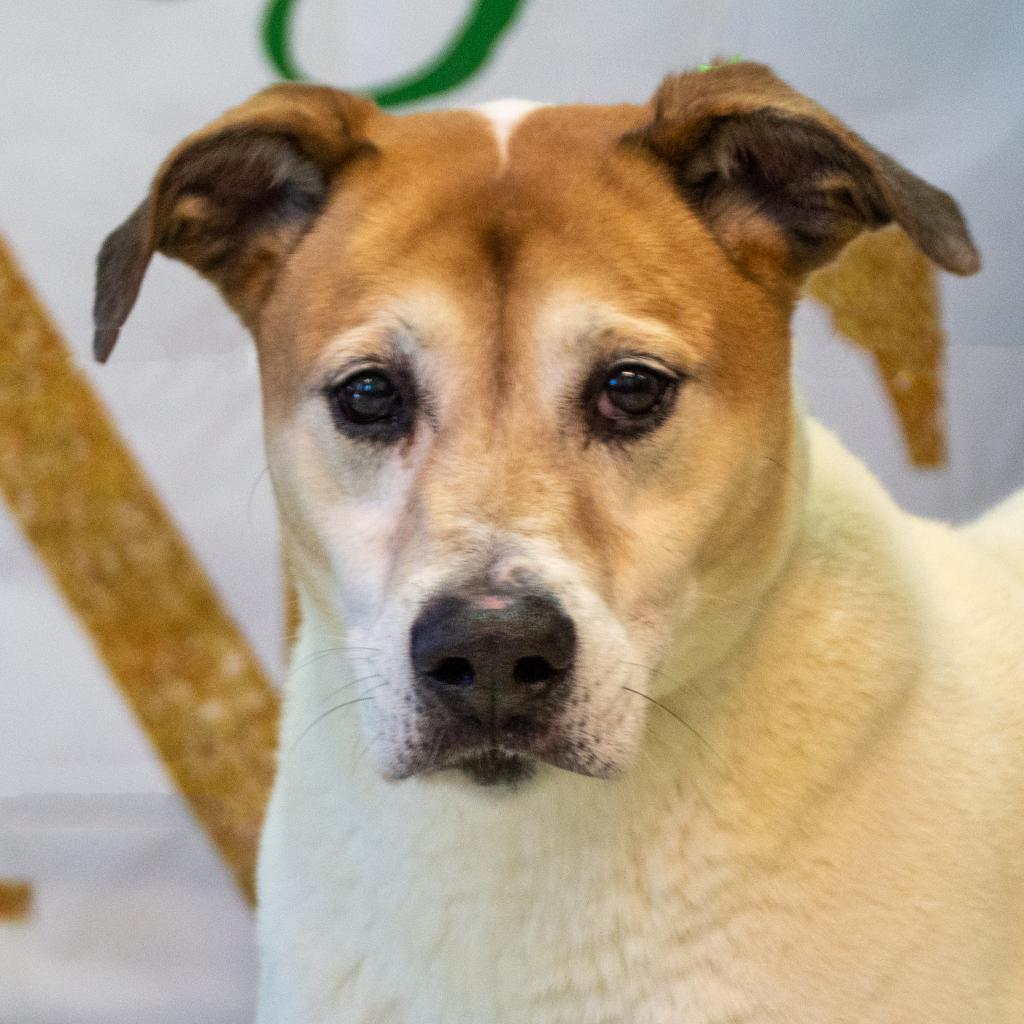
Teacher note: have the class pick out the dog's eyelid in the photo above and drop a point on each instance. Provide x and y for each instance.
(383, 343)
(339, 374)
(663, 350)
(648, 362)
(669, 348)
(390, 362)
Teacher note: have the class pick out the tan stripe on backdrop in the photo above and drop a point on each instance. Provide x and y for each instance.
(112, 549)
(15, 901)
(883, 295)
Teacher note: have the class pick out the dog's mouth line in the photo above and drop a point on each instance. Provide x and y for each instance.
(493, 766)
(493, 761)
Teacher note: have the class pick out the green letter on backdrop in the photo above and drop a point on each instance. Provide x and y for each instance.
(468, 52)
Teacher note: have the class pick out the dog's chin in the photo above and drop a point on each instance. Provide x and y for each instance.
(497, 768)
(500, 765)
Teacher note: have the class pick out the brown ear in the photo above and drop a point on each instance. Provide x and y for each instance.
(781, 183)
(234, 200)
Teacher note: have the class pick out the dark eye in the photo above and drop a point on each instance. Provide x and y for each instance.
(369, 404)
(632, 398)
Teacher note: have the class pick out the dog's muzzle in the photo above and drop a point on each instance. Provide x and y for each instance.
(493, 667)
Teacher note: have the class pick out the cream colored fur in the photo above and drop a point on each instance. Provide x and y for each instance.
(843, 842)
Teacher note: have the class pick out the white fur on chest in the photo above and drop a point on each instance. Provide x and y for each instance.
(575, 900)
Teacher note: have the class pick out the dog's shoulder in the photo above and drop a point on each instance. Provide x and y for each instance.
(848, 507)
(956, 594)
(935, 608)
(1000, 533)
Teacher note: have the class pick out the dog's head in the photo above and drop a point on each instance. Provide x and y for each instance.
(526, 381)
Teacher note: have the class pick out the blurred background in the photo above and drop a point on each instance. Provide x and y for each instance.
(142, 613)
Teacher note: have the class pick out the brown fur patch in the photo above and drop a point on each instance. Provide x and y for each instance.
(743, 146)
(233, 200)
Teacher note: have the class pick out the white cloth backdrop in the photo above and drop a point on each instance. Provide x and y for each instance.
(136, 920)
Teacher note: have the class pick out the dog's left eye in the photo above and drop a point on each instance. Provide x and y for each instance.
(631, 398)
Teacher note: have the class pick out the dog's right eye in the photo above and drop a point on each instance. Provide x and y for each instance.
(369, 404)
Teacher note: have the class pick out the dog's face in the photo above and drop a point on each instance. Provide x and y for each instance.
(526, 386)
(515, 391)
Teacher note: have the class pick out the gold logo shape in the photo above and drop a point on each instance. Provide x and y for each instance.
(184, 666)
(15, 901)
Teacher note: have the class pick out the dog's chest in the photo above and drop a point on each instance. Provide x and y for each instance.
(589, 902)
(519, 911)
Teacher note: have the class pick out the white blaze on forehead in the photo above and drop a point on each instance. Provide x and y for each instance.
(504, 116)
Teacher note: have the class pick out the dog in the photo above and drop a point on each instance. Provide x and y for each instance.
(623, 693)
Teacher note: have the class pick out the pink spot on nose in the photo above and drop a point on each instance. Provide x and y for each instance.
(491, 603)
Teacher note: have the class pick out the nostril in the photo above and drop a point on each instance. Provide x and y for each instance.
(533, 670)
(452, 672)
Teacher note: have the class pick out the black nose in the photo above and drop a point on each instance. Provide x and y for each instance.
(495, 660)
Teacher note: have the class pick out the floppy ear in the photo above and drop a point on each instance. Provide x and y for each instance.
(234, 200)
(781, 183)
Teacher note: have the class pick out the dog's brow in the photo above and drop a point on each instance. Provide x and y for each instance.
(599, 327)
(404, 322)
(382, 335)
